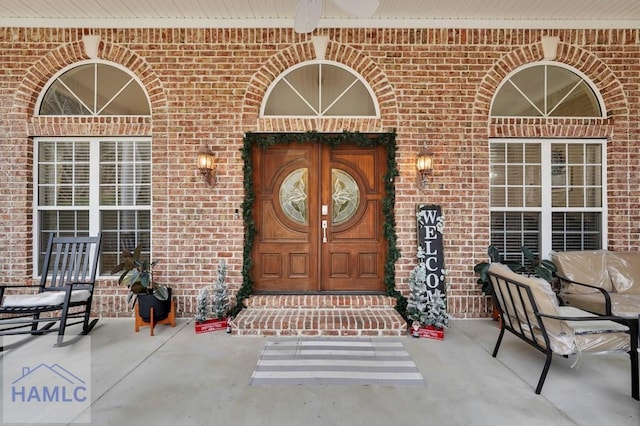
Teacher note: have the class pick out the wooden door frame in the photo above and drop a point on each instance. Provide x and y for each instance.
(265, 140)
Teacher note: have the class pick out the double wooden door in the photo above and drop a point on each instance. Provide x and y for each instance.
(318, 213)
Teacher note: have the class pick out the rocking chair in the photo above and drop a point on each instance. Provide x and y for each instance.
(64, 294)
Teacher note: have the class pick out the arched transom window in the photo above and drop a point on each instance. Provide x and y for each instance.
(546, 90)
(320, 89)
(94, 88)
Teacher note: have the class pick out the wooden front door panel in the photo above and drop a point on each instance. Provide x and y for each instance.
(354, 254)
(286, 248)
(292, 251)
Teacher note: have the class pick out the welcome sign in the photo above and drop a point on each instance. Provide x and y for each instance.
(430, 239)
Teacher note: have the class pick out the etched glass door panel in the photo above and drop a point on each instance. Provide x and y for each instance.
(345, 196)
(293, 196)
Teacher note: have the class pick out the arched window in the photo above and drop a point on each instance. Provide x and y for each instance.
(547, 194)
(94, 88)
(546, 90)
(90, 184)
(320, 89)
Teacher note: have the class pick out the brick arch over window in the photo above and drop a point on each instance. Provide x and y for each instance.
(613, 127)
(15, 232)
(42, 71)
(337, 52)
(587, 62)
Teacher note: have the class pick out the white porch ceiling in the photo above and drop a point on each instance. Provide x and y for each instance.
(279, 13)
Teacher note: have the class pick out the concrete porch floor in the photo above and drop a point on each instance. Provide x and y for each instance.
(204, 380)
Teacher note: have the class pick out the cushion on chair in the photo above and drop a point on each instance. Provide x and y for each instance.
(624, 270)
(46, 298)
(623, 305)
(561, 336)
(597, 336)
(585, 266)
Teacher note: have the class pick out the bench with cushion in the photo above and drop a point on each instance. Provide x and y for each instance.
(600, 281)
(529, 309)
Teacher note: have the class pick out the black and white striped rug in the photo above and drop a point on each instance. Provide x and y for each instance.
(336, 361)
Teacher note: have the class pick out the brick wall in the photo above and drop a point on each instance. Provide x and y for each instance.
(206, 87)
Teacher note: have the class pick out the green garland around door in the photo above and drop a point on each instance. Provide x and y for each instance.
(264, 140)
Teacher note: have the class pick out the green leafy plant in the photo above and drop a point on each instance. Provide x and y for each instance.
(137, 275)
(540, 268)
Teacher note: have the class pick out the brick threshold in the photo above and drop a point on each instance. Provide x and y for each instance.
(319, 315)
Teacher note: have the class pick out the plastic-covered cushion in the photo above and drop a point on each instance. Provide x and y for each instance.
(625, 305)
(597, 336)
(592, 302)
(624, 270)
(561, 336)
(584, 266)
(46, 298)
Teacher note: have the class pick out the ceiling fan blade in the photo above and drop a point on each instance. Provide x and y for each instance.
(307, 15)
(358, 8)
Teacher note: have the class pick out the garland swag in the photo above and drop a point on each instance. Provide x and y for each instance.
(265, 140)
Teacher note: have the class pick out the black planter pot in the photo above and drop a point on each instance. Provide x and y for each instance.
(161, 308)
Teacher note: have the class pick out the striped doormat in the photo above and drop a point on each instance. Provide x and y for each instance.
(336, 361)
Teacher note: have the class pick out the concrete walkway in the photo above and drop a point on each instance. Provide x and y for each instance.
(180, 378)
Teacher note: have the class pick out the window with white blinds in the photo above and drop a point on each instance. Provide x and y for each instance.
(547, 194)
(91, 185)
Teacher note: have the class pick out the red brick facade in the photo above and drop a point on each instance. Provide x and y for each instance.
(207, 85)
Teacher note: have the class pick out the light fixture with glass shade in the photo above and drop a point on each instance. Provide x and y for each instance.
(424, 164)
(206, 164)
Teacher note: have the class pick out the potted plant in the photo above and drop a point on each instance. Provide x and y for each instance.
(212, 309)
(540, 268)
(426, 309)
(137, 275)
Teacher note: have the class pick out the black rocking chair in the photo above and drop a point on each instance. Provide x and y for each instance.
(64, 295)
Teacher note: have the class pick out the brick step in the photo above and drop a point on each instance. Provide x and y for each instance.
(319, 315)
(319, 301)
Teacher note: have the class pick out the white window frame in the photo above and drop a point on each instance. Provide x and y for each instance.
(284, 74)
(546, 208)
(57, 75)
(594, 89)
(94, 206)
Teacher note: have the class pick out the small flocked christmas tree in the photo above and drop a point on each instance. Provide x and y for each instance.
(202, 305)
(436, 314)
(220, 305)
(425, 307)
(418, 298)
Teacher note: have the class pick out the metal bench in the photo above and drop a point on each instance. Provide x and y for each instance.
(529, 309)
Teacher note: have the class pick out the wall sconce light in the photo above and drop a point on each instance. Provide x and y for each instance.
(206, 164)
(424, 164)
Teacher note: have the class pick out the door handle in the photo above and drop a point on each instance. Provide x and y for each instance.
(324, 231)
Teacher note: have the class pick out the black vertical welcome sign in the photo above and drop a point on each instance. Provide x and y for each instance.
(430, 239)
